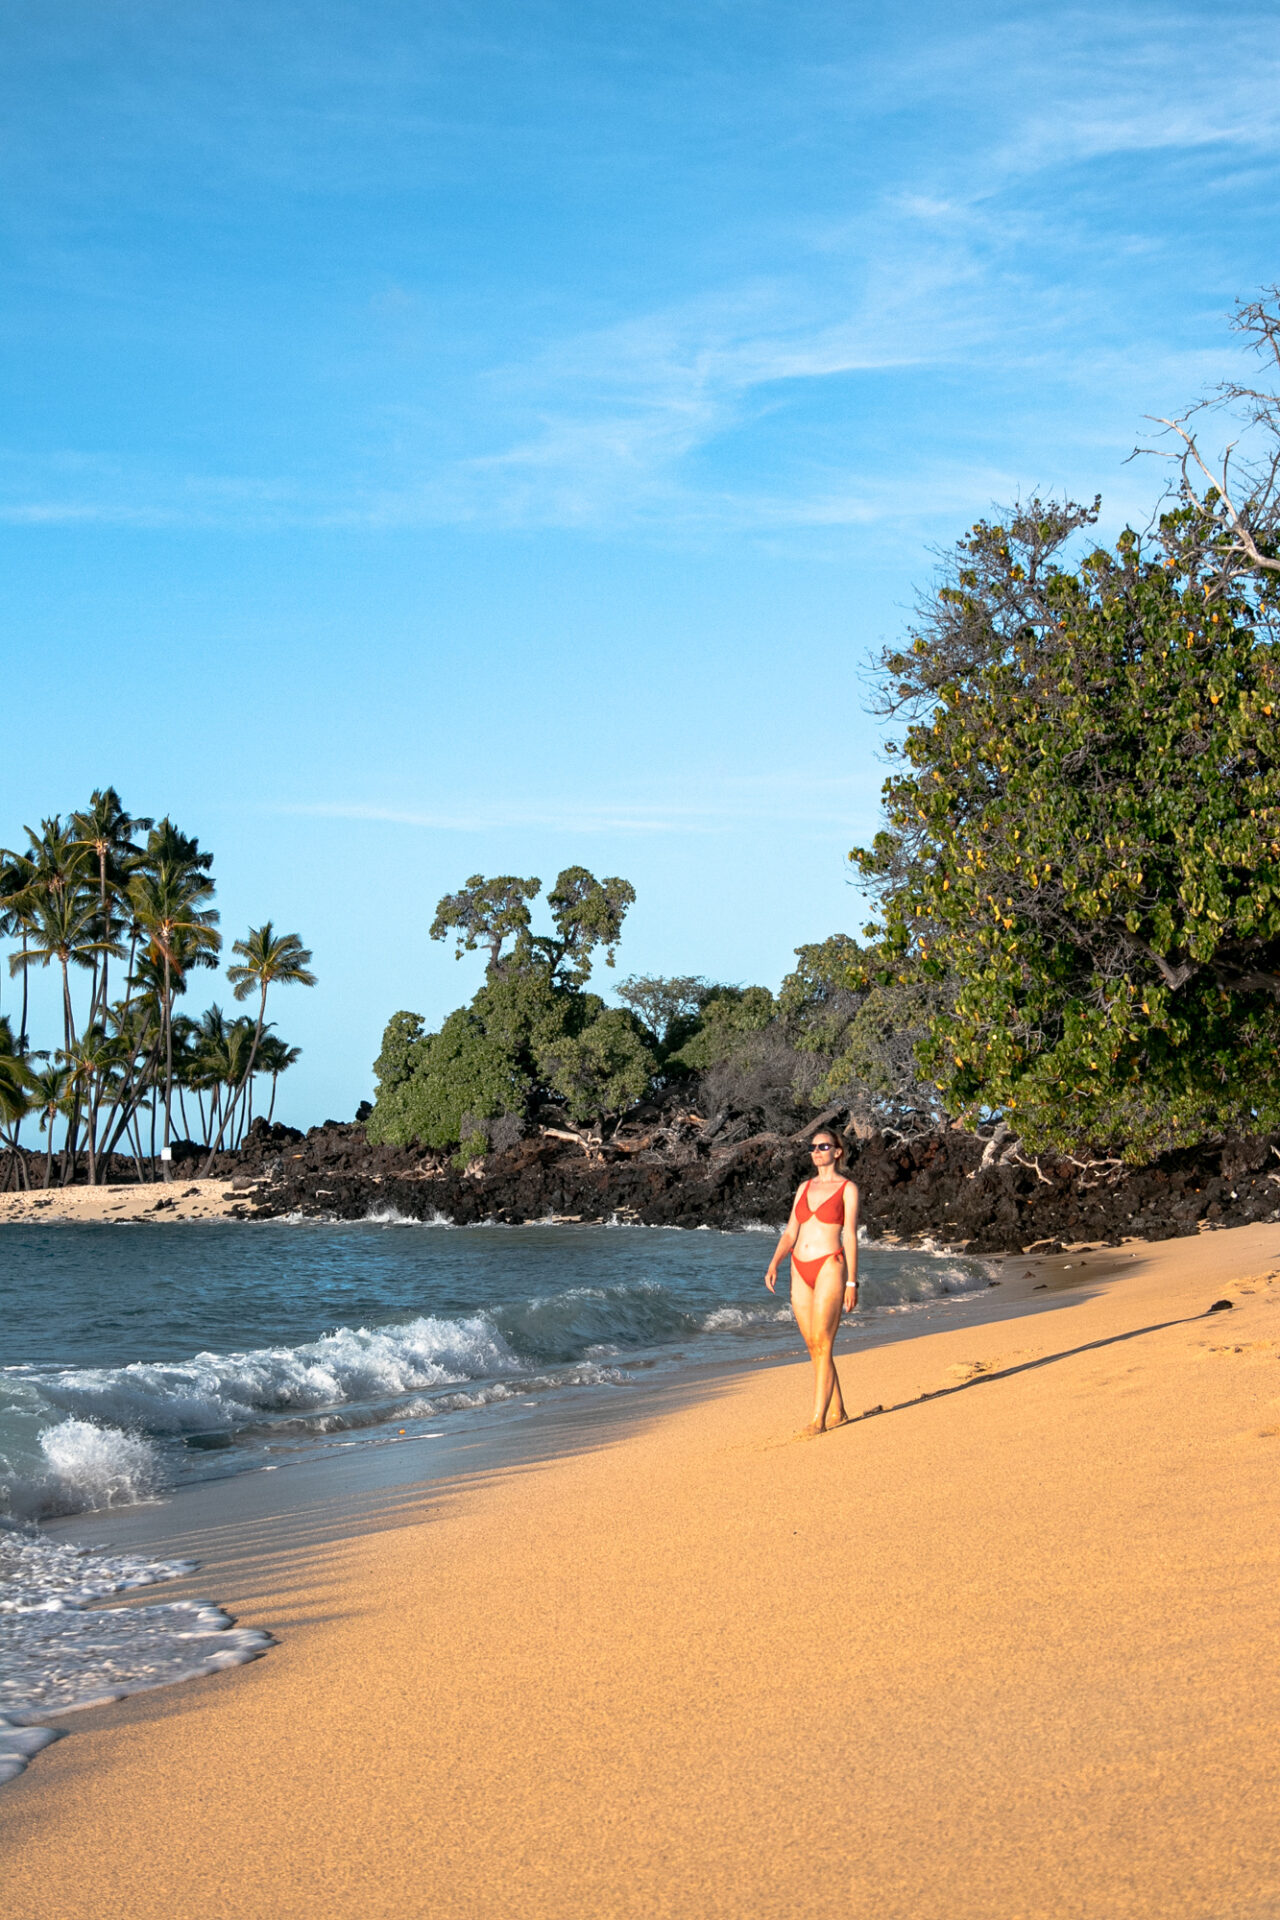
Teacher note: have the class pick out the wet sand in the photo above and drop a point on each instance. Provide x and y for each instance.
(1006, 1648)
(176, 1200)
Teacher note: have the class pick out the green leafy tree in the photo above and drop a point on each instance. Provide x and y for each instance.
(668, 1006)
(495, 1056)
(398, 1057)
(727, 1016)
(1085, 834)
(587, 913)
(601, 1070)
(862, 1013)
(487, 913)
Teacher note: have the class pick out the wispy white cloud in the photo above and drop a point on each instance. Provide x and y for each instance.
(780, 797)
(699, 417)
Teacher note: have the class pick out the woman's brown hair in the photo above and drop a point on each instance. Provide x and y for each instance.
(841, 1148)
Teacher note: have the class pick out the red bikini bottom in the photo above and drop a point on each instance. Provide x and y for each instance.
(810, 1269)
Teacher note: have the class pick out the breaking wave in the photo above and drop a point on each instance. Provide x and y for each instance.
(83, 1438)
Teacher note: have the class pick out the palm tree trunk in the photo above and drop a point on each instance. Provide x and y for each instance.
(168, 1060)
(135, 1142)
(275, 1080)
(132, 1093)
(70, 1154)
(89, 1146)
(26, 984)
(71, 1137)
(100, 994)
(95, 1135)
(248, 1072)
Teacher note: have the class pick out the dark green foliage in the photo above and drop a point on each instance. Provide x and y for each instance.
(395, 1063)
(726, 1016)
(863, 1015)
(586, 913)
(603, 1069)
(1086, 835)
(487, 913)
(530, 1035)
(669, 1009)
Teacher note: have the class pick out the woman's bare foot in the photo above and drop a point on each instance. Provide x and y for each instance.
(840, 1419)
(810, 1432)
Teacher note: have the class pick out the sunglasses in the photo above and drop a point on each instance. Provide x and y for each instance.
(825, 1147)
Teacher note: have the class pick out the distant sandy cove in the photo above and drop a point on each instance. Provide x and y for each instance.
(178, 1199)
(1004, 1650)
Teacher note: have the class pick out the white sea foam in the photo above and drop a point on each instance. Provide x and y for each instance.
(79, 1466)
(103, 1466)
(389, 1216)
(57, 1654)
(727, 1319)
(215, 1391)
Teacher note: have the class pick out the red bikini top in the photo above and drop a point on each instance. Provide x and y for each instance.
(805, 1212)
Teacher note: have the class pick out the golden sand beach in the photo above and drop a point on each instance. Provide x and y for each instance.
(1005, 1649)
(178, 1199)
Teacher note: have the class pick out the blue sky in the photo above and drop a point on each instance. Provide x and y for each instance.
(489, 437)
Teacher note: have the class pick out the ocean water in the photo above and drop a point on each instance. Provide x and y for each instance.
(136, 1360)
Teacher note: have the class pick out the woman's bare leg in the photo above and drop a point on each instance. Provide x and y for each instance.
(817, 1312)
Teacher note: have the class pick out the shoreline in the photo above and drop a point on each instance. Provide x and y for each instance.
(976, 1655)
(935, 1188)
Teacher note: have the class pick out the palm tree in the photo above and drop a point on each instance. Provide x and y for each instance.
(275, 1058)
(17, 873)
(91, 1065)
(15, 1097)
(266, 958)
(167, 895)
(105, 832)
(226, 1063)
(135, 1026)
(185, 1031)
(50, 1099)
(62, 925)
(208, 1065)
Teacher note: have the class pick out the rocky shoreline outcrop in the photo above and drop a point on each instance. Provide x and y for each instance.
(936, 1189)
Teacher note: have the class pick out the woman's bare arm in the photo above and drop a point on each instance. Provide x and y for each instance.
(783, 1247)
(849, 1241)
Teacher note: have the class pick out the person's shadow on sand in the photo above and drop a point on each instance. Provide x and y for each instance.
(1029, 1366)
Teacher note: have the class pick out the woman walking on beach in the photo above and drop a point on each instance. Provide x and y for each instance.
(821, 1239)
